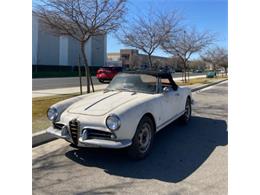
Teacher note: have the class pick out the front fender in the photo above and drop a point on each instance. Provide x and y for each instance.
(131, 118)
(63, 105)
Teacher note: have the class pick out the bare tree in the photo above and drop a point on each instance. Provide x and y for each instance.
(81, 20)
(224, 61)
(147, 32)
(216, 56)
(197, 64)
(184, 44)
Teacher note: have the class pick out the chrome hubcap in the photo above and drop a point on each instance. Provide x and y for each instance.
(144, 137)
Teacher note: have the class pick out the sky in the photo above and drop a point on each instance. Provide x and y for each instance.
(204, 15)
(209, 15)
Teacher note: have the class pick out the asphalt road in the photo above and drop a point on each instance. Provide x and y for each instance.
(54, 83)
(188, 159)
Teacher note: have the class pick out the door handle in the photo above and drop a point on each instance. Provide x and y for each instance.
(177, 94)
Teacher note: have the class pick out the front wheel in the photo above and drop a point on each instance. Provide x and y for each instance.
(101, 81)
(143, 139)
(185, 118)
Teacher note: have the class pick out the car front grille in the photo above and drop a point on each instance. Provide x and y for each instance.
(58, 125)
(97, 134)
(74, 126)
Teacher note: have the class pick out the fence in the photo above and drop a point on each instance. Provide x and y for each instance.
(49, 71)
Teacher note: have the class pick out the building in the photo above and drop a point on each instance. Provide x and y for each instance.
(113, 59)
(131, 58)
(49, 50)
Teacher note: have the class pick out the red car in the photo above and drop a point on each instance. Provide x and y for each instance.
(107, 73)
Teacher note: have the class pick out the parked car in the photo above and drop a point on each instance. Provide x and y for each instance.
(211, 74)
(127, 114)
(107, 73)
(197, 71)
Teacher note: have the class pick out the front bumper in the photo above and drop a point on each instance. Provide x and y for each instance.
(105, 76)
(96, 143)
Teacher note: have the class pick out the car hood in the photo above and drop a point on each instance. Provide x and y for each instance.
(102, 103)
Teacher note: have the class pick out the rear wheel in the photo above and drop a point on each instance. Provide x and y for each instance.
(185, 118)
(101, 80)
(143, 139)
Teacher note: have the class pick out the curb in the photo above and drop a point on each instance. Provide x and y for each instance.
(207, 85)
(42, 137)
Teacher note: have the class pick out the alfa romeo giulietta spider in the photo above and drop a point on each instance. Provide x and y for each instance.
(127, 114)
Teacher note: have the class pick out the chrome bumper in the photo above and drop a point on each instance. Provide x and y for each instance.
(96, 143)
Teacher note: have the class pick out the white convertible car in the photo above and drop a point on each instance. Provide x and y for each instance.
(128, 113)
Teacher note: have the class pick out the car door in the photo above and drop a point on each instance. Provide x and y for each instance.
(170, 104)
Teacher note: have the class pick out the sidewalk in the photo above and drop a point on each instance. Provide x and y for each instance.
(71, 90)
(64, 91)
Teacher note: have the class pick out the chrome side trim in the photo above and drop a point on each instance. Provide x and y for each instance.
(169, 121)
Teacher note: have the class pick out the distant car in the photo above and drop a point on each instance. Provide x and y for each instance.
(197, 71)
(107, 73)
(211, 74)
(127, 114)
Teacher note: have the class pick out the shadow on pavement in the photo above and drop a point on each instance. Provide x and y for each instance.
(178, 151)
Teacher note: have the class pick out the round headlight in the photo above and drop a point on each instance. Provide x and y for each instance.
(52, 114)
(113, 122)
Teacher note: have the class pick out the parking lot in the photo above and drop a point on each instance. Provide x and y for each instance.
(188, 159)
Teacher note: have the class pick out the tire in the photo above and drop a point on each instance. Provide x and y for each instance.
(185, 118)
(73, 145)
(101, 81)
(143, 139)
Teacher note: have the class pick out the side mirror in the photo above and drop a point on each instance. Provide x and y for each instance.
(166, 90)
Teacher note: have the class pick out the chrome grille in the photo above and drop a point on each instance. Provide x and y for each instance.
(58, 125)
(74, 129)
(96, 134)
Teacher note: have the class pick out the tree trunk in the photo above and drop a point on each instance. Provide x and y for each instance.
(225, 71)
(185, 75)
(188, 70)
(185, 70)
(85, 61)
(150, 60)
(79, 71)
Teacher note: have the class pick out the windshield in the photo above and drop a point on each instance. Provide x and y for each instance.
(133, 82)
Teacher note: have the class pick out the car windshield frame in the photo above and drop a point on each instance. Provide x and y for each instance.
(156, 90)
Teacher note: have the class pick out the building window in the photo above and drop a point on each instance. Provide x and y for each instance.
(125, 56)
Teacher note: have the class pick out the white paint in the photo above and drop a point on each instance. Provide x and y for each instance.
(64, 51)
